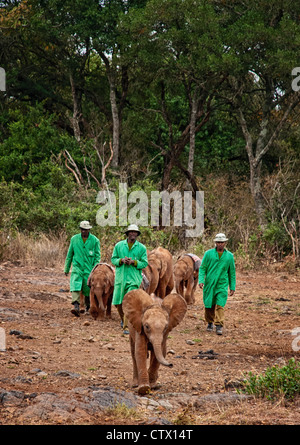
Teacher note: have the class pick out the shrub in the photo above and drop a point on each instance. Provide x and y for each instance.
(275, 383)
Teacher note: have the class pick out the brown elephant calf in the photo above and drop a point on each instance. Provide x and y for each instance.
(101, 282)
(186, 271)
(159, 272)
(150, 321)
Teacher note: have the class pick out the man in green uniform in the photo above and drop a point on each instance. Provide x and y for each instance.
(83, 254)
(130, 257)
(216, 273)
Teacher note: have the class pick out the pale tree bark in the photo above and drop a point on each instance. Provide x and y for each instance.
(258, 148)
(193, 120)
(116, 122)
(116, 107)
(75, 119)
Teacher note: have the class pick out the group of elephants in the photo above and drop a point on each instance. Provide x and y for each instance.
(152, 311)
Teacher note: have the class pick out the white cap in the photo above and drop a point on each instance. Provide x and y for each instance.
(221, 238)
(132, 228)
(85, 225)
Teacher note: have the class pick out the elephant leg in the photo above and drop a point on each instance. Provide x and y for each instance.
(153, 370)
(135, 370)
(141, 363)
(108, 306)
(94, 305)
(170, 285)
(82, 302)
(189, 291)
(161, 290)
(195, 281)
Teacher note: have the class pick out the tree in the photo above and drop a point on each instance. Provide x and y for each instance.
(179, 51)
(263, 40)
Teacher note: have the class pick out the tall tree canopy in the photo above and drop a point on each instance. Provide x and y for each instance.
(170, 90)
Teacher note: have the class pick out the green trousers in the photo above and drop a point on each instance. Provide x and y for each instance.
(215, 315)
(76, 298)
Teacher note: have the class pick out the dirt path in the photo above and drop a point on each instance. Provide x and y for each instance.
(50, 352)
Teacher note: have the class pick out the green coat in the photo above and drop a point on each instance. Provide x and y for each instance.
(83, 257)
(217, 274)
(127, 276)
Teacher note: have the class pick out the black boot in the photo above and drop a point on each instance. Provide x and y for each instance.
(75, 309)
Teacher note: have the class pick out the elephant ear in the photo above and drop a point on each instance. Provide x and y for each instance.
(176, 307)
(135, 302)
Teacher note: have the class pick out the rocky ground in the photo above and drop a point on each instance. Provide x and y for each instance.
(59, 369)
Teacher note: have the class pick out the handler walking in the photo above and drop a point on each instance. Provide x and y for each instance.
(83, 254)
(130, 257)
(216, 273)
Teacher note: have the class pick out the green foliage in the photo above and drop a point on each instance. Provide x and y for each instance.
(276, 236)
(33, 138)
(164, 55)
(276, 382)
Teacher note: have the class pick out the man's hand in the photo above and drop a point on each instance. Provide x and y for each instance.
(127, 260)
(201, 285)
(231, 293)
(66, 274)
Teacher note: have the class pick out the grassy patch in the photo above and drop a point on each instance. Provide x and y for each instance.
(275, 383)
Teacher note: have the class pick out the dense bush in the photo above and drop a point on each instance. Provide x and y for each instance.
(276, 382)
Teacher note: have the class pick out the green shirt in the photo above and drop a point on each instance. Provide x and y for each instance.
(217, 273)
(83, 255)
(128, 277)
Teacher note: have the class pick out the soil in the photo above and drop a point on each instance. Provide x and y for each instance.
(52, 357)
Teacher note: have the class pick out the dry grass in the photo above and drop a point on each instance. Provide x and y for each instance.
(36, 250)
(252, 412)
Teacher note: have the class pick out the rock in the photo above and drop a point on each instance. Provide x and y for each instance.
(35, 371)
(165, 404)
(206, 355)
(9, 398)
(14, 332)
(108, 346)
(109, 397)
(225, 398)
(63, 373)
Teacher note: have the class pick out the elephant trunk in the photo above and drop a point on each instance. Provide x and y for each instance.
(159, 355)
(99, 294)
(101, 305)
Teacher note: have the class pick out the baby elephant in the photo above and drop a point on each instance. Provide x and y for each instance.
(150, 321)
(101, 282)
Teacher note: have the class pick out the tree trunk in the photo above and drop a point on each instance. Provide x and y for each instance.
(255, 187)
(116, 124)
(114, 110)
(192, 134)
(263, 144)
(76, 96)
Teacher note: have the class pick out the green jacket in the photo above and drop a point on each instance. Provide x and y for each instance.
(128, 277)
(83, 257)
(217, 274)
